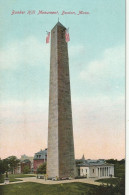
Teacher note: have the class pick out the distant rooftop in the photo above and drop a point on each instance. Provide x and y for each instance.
(90, 162)
(26, 161)
(25, 157)
(42, 154)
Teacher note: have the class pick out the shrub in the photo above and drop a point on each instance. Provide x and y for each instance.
(42, 169)
(26, 169)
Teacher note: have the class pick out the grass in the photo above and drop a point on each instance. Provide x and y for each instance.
(109, 180)
(22, 175)
(42, 189)
(13, 177)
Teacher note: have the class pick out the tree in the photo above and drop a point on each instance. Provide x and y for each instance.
(119, 167)
(112, 161)
(42, 169)
(3, 166)
(12, 162)
(2, 171)
(26, 169)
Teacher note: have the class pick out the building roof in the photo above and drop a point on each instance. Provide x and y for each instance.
(26, 161)
(90, 163)
(41, 155)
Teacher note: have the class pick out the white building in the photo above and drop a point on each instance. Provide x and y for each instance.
(95, 169)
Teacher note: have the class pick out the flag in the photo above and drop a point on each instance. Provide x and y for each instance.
(67, 38)
(48, 37)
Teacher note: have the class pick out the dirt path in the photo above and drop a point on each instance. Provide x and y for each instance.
(42, 181)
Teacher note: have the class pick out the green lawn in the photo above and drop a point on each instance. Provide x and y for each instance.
(109, 180)
(30, 188)
(13, 177)
(22, 175)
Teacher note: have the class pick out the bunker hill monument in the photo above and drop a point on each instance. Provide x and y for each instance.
(60, 159)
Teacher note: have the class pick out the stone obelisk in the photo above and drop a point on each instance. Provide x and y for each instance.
(60, 157)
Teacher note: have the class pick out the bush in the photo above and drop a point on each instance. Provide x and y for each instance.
(42, 169)
(26, 169)
(80, 177)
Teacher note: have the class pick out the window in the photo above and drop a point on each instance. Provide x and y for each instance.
(38, 156)
(93, 170)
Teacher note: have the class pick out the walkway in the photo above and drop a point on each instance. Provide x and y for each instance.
(42, 181)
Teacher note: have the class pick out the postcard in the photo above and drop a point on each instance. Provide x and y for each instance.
(62, 97)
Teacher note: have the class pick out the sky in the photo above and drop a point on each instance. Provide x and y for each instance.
(97, 74)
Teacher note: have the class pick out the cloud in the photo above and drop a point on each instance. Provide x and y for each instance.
(77, 54)
(29, 51)
(110, 66)
(77, 50)
(32, 52)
